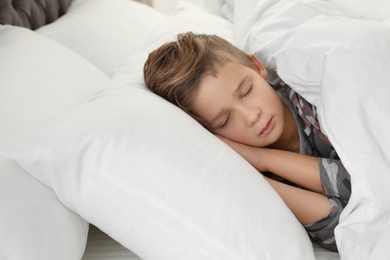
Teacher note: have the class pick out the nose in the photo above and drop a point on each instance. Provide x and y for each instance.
(251, 115)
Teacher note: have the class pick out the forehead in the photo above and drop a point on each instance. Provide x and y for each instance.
(223, 73)
(219, 82)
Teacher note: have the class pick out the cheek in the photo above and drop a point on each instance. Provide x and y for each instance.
(235, 134)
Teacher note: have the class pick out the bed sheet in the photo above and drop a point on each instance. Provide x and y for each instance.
(336, 54)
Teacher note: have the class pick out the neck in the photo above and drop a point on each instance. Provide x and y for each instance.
(289, 139)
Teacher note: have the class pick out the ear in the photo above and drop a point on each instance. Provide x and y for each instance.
(258, 66)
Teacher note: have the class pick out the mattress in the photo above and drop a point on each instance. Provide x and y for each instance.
(100, 246)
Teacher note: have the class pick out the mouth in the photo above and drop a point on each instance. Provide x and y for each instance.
(267, 128)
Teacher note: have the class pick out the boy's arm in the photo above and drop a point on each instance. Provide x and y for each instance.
(300, 169)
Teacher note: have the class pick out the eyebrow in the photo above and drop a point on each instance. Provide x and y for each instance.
(236, 92)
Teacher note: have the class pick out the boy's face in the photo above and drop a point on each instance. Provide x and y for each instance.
(240, 105)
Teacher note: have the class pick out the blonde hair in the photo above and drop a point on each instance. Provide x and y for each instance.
(175, 69)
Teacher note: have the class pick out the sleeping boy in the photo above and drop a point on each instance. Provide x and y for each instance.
(272, 127)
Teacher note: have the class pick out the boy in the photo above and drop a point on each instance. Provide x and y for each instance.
(274, 129)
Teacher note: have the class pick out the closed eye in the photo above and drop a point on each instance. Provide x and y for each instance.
(247, 91)
(225, 122)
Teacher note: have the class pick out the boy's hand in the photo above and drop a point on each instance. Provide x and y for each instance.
(298, 168)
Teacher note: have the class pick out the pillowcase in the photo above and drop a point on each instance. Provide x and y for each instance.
(152, 178)
(189, 17)
(40, 81)
(105, 32)
(167, 6)
(34, 224)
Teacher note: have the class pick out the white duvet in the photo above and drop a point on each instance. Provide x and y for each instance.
(337, 55)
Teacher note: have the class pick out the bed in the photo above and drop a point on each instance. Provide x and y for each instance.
(95, 166)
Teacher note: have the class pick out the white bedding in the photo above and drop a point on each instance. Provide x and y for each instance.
(168, 209)
(337, 55)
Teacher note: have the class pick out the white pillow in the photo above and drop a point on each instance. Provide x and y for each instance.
(40, 81)
(189, 17)
(167, 6)
(34, 224)
(148, 175)
(213, 6)
(105, 32)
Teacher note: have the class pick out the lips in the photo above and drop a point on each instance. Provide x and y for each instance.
(267, 128)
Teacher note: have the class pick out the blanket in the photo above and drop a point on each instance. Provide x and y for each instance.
(337, 55)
